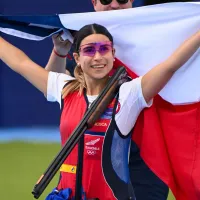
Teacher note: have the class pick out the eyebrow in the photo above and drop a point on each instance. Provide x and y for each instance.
(106, 42)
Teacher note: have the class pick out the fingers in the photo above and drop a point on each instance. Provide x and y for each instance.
(57, 38)
(60, 38)
(66, 43)
(60, 45)
(55, 35)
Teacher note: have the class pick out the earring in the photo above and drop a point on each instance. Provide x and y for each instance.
(114, 59)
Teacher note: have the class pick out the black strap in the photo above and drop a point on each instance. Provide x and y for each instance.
(79, 169)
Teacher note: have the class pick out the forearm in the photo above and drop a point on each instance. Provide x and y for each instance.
(8, 51)
(18, 61)
(184, 52)
(156, 78)
(56, 64)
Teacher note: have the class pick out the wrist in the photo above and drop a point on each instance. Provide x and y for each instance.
(59, 55)
(62, 56)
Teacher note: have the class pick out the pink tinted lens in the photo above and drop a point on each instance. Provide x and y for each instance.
(105, 49)
(91, 49)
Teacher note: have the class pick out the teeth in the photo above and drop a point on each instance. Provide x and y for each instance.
(97, 66)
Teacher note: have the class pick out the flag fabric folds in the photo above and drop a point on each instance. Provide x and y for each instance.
(168, 133)
(30, 27)
(147, 34)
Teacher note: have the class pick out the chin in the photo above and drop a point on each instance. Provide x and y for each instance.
(100, 76)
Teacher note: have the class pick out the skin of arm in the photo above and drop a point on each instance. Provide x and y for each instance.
(56, 63)
(156, 78)
(22, 64)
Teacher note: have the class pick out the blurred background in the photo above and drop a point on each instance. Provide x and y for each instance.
(29, 133)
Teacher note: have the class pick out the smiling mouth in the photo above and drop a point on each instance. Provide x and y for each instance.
(98, 66)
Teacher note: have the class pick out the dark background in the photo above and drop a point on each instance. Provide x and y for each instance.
(20, 103)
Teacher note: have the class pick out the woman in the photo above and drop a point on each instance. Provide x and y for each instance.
(107, 142)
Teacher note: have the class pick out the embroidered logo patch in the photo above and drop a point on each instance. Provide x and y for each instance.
(93, 142)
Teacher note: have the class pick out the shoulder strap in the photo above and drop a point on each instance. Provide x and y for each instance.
(79, 169)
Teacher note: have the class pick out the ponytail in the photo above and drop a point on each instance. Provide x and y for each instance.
(75, 85)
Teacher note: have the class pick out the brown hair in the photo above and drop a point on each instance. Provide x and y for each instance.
(79, 83)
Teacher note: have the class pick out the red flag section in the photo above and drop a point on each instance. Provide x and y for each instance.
(169, 137)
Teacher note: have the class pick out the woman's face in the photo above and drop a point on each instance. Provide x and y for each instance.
(96, 56)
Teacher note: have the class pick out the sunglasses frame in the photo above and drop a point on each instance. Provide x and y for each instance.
(109, 43)
(107, 2)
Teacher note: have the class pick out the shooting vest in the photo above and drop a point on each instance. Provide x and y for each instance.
(105, 159)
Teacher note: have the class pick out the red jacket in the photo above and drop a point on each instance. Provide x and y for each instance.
(99, 169)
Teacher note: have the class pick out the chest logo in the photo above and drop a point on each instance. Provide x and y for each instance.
(93, 142)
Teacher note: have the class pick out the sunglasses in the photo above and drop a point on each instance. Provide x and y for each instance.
(107, 2)
(91, 48)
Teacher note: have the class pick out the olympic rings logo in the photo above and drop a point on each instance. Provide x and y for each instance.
(91, 152)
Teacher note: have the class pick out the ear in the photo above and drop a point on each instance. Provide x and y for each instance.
(131, 1)
(94, 2)
(76, 57)
(113, 52)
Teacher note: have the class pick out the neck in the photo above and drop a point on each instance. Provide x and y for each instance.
(94, 87)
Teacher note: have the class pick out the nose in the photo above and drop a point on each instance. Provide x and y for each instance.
(97, 56)
(114, 5)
